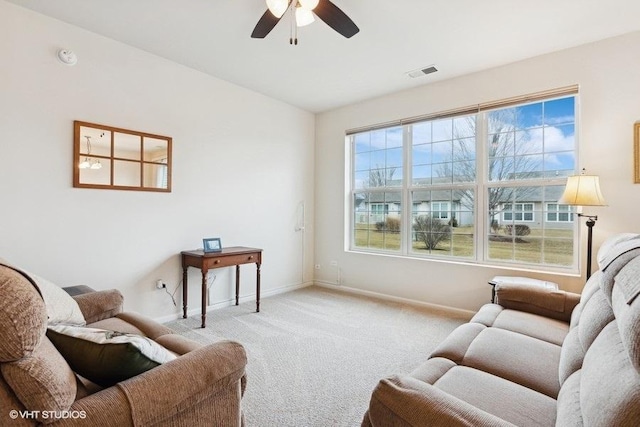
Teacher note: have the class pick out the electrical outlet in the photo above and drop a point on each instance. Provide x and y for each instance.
(160, 284)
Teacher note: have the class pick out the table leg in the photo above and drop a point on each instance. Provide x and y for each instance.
(237, 283)
(204, 298)
(184, 291)
(258, 288)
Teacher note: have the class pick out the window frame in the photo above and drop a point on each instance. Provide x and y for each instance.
(480, 187)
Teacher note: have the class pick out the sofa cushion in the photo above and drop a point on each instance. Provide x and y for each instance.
(23, 318)
(607, 248)
(43, 381)
(626, 306)
(609, 274)
(615, 246)
(455, 346)
(521, 359)
(590, 288)
(61, 307)
(595, 314)
(504, 399)
(609, 384)
(569, 412)
(107, 357)
(401, 401)
(533, 325)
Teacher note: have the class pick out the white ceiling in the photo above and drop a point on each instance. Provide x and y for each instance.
(326, 70)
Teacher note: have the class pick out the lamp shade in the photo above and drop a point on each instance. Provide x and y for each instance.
(582, 190)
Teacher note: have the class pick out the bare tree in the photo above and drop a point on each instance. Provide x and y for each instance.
(379, 177)
(506, 160)
(431, 231)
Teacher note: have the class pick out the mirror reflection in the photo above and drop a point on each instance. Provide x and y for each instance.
(113, 158)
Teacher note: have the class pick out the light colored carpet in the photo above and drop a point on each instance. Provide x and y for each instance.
(315, 354)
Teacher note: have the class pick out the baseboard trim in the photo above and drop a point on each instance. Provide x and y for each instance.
(453, 310)
(231, 301)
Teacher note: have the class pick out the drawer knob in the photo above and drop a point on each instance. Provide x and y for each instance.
(251, 257)
(217, 261)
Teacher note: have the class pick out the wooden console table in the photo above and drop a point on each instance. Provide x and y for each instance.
(227, 257)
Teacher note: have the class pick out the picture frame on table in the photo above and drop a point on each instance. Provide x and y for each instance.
(212, 244)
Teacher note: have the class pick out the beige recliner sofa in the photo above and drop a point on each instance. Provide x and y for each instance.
(536, 358)
(202, 386)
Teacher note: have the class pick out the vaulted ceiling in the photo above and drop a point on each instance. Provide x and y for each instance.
(326, 70)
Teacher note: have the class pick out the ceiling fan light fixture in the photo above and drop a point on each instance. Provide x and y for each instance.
(309, 4)
(278, 7)
(303, 17)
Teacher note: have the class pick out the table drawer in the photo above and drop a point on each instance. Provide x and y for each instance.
(229, 260)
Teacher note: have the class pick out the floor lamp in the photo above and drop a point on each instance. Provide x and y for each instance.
(584, 190)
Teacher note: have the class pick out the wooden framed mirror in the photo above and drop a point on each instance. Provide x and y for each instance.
(106, 157)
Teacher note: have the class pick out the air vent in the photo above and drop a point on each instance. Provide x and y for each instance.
(422, 71)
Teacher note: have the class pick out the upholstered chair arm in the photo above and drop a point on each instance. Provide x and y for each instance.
(555, 304)
(100, 305)
(406, 401)
(204, 384)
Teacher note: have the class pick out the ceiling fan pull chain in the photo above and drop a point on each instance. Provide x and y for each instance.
(291, 25)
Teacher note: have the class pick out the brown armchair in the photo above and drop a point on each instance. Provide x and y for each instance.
(202, 386)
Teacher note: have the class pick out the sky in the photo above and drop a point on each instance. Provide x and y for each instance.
(541, 134)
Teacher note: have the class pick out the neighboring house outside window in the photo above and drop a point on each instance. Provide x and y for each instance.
(481, 186)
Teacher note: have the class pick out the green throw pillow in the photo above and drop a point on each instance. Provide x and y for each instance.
(106, 357)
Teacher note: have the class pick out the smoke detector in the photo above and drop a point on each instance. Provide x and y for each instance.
(67, 57)
(422, 71)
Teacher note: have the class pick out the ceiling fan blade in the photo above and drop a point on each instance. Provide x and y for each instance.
(264, 25)
(336, 18)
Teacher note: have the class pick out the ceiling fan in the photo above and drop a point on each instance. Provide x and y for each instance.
(302, 12)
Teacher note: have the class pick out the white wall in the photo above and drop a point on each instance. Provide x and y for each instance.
(242, 164)
(607, 73)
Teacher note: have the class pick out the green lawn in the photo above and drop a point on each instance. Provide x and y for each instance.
(555, 247)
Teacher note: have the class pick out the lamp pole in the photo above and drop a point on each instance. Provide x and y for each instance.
(591, 221)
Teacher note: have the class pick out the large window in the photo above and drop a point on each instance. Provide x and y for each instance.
(482, 186)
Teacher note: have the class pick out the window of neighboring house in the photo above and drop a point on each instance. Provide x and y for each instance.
(559, 213)
(379, 208)
(522, 212)
(440, 210)
(499, 167)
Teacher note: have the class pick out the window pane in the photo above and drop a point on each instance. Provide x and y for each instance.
(450, 158)
(421, 133)
(378, 158)
(534, 141)
(362, 161)
(377, 220)
(361, 142)
(422, 175)
(533, 228)
(442, 130)
(443, 222)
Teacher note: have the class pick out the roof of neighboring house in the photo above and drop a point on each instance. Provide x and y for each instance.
(548, 194)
